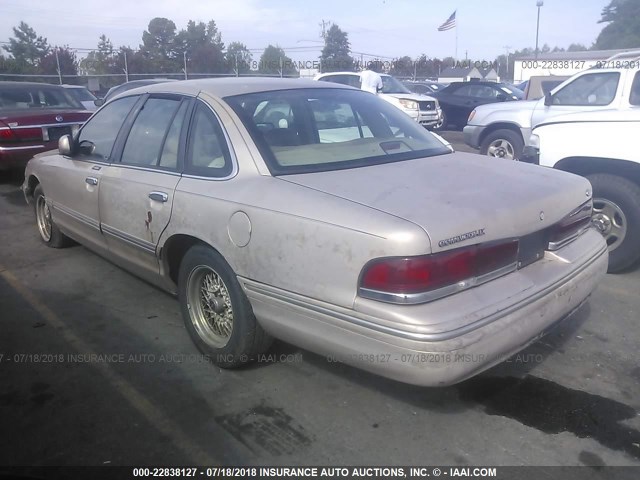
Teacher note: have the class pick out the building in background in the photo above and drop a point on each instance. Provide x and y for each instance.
(453, 74)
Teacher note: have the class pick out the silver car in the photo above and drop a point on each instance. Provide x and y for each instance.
(323, 216)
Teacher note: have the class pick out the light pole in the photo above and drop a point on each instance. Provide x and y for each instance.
(539, 4)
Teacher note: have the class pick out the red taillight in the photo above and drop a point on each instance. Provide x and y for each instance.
(462, 267)
(568, 228)
(20, 134)
(6, 135)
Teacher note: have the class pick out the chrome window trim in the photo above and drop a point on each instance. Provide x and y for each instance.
(424, 297)
(146, 169)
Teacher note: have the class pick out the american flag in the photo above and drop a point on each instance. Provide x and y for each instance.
(449, 24)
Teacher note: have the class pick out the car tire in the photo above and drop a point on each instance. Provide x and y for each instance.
(222, 324)
(442, 125)
(49, 232)
(616, 215)
(503, 143)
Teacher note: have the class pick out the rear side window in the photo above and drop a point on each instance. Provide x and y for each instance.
(208, 154)
(99, 134)
(593, 89)
(634, 97)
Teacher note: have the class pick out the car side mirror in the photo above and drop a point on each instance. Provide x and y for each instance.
(502, 97)
(548, 99)
(98, 102)
(65, 145)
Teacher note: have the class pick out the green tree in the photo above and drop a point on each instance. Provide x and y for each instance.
(159, 46)
(100, 61)
(203, 46)
(576, 47)
(403, 67)
(275, 62)
(336, 54)
(238, 58)
(27, 48)
(66, 59)
(623, 29)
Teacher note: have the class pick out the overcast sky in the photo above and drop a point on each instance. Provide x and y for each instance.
(388, 28)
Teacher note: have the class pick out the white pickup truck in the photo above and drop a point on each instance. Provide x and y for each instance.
(599, 145)
(502, 129)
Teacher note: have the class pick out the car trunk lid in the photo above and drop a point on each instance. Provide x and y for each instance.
(459, 199)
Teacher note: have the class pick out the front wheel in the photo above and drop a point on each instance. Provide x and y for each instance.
(49, 232)
(215, 310)
(616, 215)
(503, 144)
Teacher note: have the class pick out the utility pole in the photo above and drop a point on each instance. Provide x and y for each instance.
(126, 67)
(539, 4)
(324, 24)
(506, 49)
(58, 66)
(184, 56)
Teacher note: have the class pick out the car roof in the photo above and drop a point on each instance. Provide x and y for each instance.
(17, 85)
(229, 86)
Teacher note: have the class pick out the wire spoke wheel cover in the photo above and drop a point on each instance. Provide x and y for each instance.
(209, 305)
(43, 217)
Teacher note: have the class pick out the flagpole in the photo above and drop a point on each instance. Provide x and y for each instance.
(456, 56)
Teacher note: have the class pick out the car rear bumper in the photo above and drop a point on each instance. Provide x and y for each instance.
(18, 156)
(472, 135)
(448, 352)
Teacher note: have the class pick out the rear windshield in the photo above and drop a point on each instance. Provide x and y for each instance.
(310, 130)
(31, 97)
(81, 94)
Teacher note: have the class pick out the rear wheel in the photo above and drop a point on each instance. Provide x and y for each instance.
(216, 312)
(616, 215)
(503, 144)
(50, 234)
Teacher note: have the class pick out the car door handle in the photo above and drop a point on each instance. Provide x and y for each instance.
(91, 181)
(159, 196)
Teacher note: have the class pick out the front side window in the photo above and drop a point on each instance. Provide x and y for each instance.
(146, 138)
(463, 91)
(593, 89)
(332, 129)
(99, 134)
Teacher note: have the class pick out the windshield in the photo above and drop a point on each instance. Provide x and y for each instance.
(35, 96)
(82, 94)
(513, 92)
(310, 130)
(393, 85)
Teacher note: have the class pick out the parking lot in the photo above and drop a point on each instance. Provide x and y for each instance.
(96, 368)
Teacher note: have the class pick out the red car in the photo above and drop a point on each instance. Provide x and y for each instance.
(33, 116)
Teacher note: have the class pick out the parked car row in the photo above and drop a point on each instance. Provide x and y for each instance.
(423, 109)
(324, 216)
(33, 116)
(585, 125)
